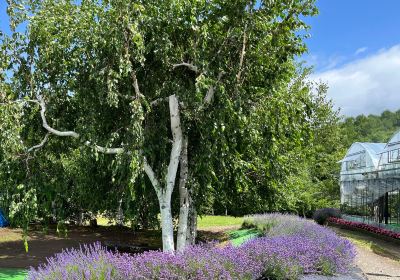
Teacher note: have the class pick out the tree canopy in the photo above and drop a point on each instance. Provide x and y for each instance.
(108, 105)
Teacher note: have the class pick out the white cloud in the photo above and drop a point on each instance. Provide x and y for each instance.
(360, 50)
(365, 86)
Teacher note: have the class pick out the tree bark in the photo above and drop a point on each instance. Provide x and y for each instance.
(164, 194)
(120, 214)
(191, 234)
(167, 226)
(184, 197)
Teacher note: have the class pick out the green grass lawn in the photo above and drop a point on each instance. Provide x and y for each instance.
(238, 237)
(218, 221)
(12, 274)
(203, 222)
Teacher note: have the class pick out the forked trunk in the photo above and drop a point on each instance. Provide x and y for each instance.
(164, 193)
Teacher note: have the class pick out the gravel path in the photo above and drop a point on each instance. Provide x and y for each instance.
(375, 264)
(377, 267)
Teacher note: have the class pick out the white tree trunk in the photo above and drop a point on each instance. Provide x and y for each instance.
(167, 226)
(184, 198)
(164, 194)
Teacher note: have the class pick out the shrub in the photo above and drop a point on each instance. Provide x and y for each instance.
(286, 253)
(322, 215)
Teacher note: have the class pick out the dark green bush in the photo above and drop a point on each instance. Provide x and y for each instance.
(322, 215)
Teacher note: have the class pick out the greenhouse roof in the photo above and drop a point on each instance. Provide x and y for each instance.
(373, 149)
(394, 142)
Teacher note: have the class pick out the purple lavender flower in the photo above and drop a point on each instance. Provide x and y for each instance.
(290, 248)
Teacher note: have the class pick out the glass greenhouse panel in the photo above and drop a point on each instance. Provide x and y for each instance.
(370, 182)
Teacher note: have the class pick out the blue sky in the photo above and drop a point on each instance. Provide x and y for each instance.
(3, 16)
(344, 27)
(354, 48)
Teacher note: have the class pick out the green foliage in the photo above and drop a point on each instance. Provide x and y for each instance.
(371, 128)
(267, 141)
(23, 210)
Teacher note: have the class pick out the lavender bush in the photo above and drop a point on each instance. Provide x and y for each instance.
(292, 247)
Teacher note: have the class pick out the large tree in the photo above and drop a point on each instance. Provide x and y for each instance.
(168, 86)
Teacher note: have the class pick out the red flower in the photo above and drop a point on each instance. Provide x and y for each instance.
(367, 227)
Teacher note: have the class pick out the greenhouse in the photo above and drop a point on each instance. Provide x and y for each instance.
(370, 183)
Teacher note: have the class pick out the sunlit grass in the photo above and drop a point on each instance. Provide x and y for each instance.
(238, 237)
(202, 222)
(218, 221)
(12, 274)
(103, 221)
(7, 235)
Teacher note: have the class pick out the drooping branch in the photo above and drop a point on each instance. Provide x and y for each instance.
(73, 134)
(188, 65)
(40, 145)
(49, 128)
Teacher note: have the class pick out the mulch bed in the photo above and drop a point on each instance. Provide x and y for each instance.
(41, 246)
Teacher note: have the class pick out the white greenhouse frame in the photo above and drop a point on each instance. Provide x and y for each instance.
(370, 183)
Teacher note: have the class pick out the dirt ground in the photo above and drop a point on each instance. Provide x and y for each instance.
(41, 246)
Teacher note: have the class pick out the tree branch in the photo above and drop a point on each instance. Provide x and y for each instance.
(188, 65)
(49, 128)
(152, 176)
(40, 145)
(210, 93)
(73, 134)
(158, 101)
(136, 85)
(110, 151)
(242, 54)
(176, 144)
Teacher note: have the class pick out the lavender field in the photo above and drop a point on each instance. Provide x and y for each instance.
(289, 248)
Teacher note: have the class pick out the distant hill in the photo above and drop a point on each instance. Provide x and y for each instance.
(371, 128)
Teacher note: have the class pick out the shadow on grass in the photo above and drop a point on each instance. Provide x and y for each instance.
(12, 274)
